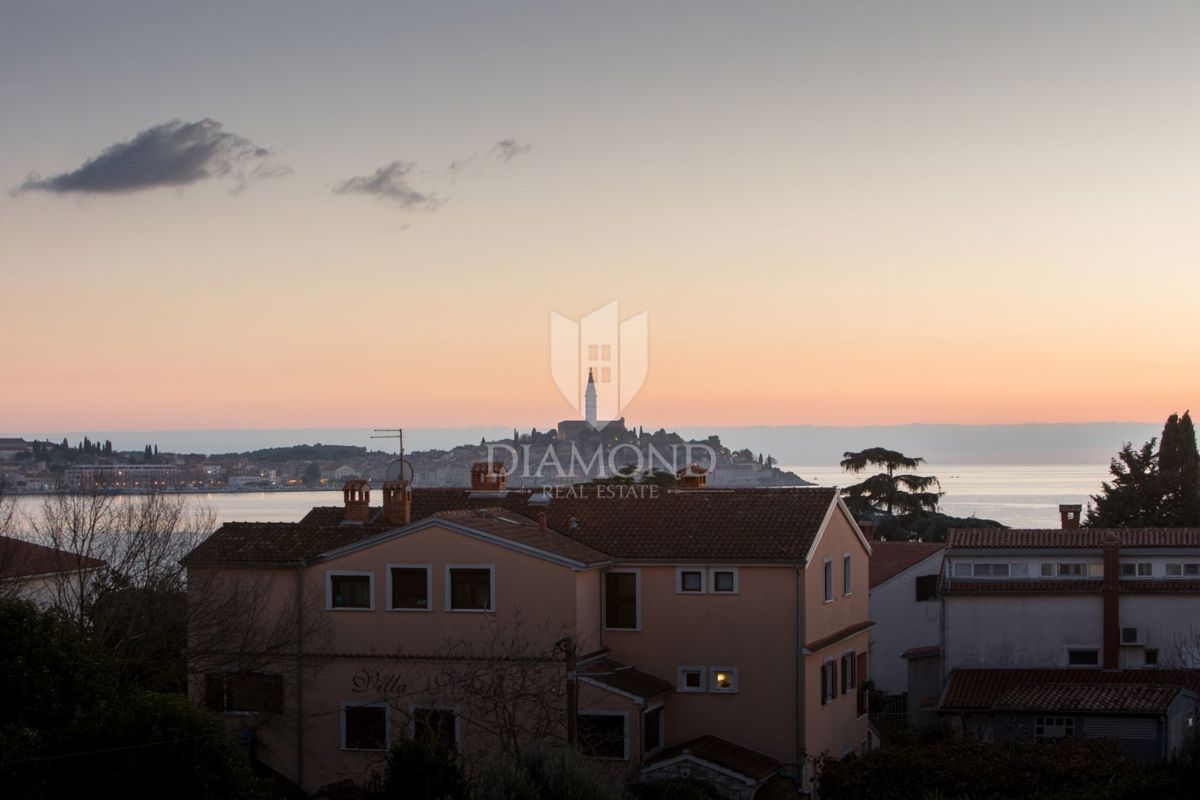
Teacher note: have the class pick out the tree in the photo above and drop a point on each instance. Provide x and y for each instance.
(1179, 469)
(1134, 497)
(888, 492)
(311, 475)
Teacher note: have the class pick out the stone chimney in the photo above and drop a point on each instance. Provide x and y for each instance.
(357, 495)
(397, 502)
(1112, 602)
(488, 477)
(1070, 515)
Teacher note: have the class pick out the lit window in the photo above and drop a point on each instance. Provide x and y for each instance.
(690, 679)
(470, 588)
(364, 727)
(724, 581)
(351, 590)
(724, 679)
(689, 580)
(409, 588)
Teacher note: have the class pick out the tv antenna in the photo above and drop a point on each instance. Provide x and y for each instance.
(396, 433)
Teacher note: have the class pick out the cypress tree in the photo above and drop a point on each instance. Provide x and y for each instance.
(1179, 469)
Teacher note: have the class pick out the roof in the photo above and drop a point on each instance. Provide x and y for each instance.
(727, 755)
(1088, 698)
(523, 531)
(697, 524)
(889, 559)
(21, 559)
(837, 636)
(1065, 585)
(624, 679)
(1057, 538)
(928, 651)
(982, 689)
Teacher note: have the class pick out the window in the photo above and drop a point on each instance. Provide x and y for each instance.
(1083, 657)
(1176, 570)
(364, 727)
(408, 587)
(1140, 569)
(621, 600)
(860, 668)
(828, 580)
(690, 679)
(846, 583)
(724, 580)
(849, 678)
(351, 590)
(689, 580)
(990, 570)
(724, 679)
(1151, 657)
(927, 587)
(243, 692)
(435, 725)
(469, 587)
(652, 729)
(828, 681)
(1053, 727)
(602, 735)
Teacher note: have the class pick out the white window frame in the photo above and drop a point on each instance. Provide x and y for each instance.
(1063, 723)
(847, 575)
(595, 712)
(387, 727)
(637, 591)
(1137, 569)
(712, 579)
(413, 708)
(1182, 567)
(827, 579)
(428, 586)
(681, 684)
(830, 682)
(679, 580)
(662, 727)
(712, 680)
(491, 609)
(1068, 648)
(843, 673)
(329, 576)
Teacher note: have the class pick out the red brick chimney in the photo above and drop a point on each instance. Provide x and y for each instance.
(868, 529)
(1070, 516)
(397, 502)
(542, 520)
(357, 494)
(488, 477)
(1112, 601)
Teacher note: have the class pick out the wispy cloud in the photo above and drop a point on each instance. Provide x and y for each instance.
(390, 182)
(508, 149)
(174, 153)
(459, 164)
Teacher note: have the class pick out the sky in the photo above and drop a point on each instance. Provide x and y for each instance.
(294, 215)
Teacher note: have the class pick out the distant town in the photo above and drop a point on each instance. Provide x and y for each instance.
(38, 467)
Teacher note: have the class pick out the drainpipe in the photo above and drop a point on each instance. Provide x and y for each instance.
(799, 605)
(300, 674)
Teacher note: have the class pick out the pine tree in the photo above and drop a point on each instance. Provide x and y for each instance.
(887, 491)
(1134, 497)
(1179, 470)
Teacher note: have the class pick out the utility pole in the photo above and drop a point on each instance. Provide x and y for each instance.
(568, 646)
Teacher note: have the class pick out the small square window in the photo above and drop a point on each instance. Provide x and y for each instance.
(1047, 570)
(351, 591)
(1174, 570)
(691, 580)
(724, 679)
(690, 679)
(470, 589)
(724, 581)
(410, 588)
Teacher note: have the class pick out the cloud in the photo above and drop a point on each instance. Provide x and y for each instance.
(508, 149)
(390, 183)
(174, 153)
(456, 166)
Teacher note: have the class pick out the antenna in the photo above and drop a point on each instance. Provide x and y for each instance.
(395, 433)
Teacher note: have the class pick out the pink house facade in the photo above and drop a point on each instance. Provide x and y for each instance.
(719, 634)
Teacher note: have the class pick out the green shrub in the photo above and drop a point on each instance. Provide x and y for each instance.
(544, 773)
(423, 770)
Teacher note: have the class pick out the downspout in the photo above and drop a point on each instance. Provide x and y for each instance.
(800, 675)
(300, 674)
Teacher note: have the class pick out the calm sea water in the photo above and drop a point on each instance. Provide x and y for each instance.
(1018, 495)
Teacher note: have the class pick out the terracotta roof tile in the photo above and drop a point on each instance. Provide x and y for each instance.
(522, 530)
(728, 755)
(21, 559)
(981, 689)
(1072, 538)
(889, 559)
(623, 678)
(1084, 698)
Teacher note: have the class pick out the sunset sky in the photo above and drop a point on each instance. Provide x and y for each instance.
(328, 214)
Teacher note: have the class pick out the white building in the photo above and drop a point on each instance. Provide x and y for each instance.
(904, 607)
(43, 575)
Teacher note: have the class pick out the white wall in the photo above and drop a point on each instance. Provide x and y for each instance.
(901, 623)
(1010, 630)
(1170, 622)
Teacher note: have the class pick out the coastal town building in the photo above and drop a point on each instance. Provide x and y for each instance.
(45, 576)
(904, 608)
(1071, 629)
(85, 477)
(720, 634)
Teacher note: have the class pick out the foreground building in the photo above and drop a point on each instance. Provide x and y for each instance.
(720, 634)
(1078, 631)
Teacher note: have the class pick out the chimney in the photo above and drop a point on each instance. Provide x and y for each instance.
(868, 529)
(542, 520)
(397, 502)
(357, 494)
(1070, 516)
(488, 477)
(1112, 601)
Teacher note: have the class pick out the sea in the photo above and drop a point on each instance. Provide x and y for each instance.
(1017, 495)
